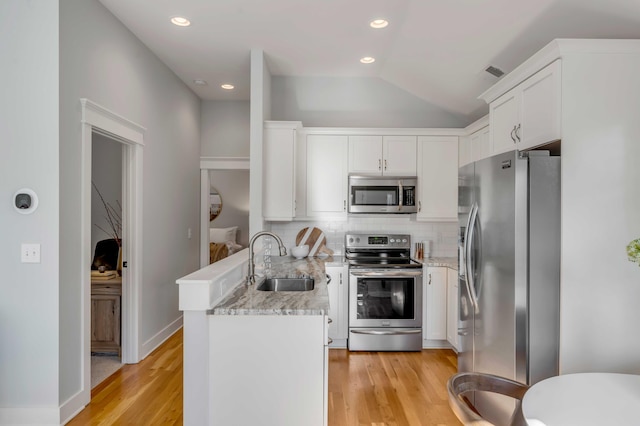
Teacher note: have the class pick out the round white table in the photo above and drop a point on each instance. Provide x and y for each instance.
(584, 399)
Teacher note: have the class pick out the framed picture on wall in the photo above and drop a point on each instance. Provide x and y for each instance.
(215, 204)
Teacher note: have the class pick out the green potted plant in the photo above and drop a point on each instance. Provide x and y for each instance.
(633, 251)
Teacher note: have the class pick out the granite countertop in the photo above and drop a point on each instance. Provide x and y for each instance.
(247, 300)
(448, 262)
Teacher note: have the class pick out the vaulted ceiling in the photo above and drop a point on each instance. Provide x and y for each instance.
(437, 50)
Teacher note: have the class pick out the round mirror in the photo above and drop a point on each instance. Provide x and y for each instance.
(215, 204)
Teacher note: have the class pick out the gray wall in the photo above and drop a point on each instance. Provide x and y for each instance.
(106, 173)
(102, 61)
(29, 142)
(353, 102)
(233, 186)
(224, 129)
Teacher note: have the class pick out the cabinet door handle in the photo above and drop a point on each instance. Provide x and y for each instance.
(419, 206)
(329, 320)
(344, 205)
(385, 164)
(517, 132)
(379, 164)
(329, 340)
(513, 138)
(429, 279)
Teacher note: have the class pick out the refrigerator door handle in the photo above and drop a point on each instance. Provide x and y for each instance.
(468, 240)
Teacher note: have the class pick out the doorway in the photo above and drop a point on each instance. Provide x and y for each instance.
(99, 123)
(106, 268)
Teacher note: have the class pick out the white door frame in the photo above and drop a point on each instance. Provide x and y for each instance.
(206, 164)
(100, 120)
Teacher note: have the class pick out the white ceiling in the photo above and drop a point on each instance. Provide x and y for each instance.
(435, 49)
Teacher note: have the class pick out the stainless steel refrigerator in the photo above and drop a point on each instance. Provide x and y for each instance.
(509, 271)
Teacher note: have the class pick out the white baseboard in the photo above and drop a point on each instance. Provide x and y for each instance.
(41, 416)
(151, 344)
(72, 406)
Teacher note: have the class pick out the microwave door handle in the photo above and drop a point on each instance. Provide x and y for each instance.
(401, 190)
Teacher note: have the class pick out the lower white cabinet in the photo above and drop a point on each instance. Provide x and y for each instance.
(434, 324)
(338, 305)
(452, 308)
(437, 178)
(268, 370)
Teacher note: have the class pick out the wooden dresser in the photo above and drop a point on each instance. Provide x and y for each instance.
(105, 315)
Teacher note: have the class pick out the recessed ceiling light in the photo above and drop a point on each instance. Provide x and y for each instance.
(379, 23)
(367, 60)
(180, 21)
(200, 82)
(227, 86)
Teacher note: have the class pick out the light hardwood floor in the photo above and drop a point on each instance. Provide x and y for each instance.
(365, 388)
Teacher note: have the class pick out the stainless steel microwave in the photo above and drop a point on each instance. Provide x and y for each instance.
(382, 194)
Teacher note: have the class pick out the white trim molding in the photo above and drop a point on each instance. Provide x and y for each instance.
(224, 163)
(113, 124)
(97, 119)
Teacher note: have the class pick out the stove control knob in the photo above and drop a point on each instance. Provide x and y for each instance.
(404, 240)
(392, 240)
(358, 240)
(350, 240)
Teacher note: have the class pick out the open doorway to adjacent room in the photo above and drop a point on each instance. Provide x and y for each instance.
(224, 208)
(114, 139)
(106, 265)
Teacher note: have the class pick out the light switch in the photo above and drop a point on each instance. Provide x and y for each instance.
(189, 233)
(30, 253)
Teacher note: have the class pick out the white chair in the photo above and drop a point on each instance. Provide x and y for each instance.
(460, 384)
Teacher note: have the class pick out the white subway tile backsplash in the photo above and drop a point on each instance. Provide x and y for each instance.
(443, 235)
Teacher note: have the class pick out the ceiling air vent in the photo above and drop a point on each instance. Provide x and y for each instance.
(495, 71)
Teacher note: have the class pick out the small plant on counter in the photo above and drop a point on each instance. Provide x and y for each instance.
(633, 251)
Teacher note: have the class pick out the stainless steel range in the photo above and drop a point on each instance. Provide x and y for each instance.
(385, 293)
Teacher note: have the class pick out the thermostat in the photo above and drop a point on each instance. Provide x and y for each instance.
(25, 201)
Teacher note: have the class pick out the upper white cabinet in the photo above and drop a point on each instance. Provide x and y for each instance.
(326, 193)
(480, 144)
(279, 170)
(382, 155)
(529, 114)
(464, 151)
(437, 178)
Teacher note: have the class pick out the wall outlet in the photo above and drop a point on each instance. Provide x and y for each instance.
(30, 253)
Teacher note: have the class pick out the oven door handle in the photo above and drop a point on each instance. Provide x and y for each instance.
(387, 332)
(387, 273)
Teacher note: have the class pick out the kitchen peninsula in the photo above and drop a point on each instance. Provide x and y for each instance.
(253, 356)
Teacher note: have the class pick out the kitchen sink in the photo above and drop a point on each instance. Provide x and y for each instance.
(287, 284)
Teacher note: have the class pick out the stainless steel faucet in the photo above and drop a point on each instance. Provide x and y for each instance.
(251, 278)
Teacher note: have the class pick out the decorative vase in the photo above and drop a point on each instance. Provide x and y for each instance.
(119, 267)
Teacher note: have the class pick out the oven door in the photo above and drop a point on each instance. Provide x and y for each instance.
(385, 298)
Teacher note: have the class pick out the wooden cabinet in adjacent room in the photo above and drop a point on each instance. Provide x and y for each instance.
(105, 315)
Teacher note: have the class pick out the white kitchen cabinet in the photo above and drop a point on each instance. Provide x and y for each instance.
(338, 305)
(464, 151)
(437, 178)
(382, 155)
(452, 308)
(326, 193)
(249, 355)
(529, 114)
(434, 325)
(279, 170)
(480, 144)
